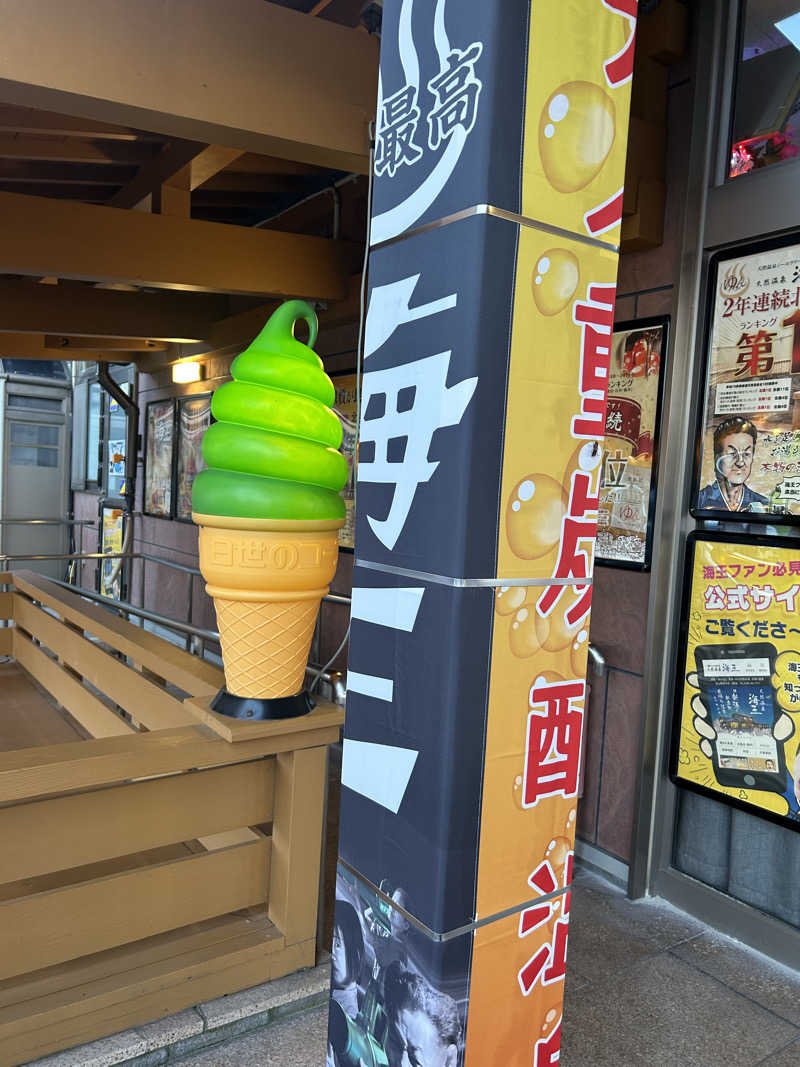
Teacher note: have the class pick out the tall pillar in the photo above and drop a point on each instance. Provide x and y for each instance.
(496, 218)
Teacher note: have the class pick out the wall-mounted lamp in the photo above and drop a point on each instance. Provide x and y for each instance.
(191, 371)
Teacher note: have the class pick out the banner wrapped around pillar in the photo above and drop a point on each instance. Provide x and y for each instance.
(500, 153)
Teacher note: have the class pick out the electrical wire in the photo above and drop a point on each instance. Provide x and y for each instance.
(359, 364)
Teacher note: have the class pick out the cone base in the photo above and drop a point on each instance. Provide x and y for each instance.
(253, 709)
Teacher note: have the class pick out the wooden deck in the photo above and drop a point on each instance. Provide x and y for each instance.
(151, 858)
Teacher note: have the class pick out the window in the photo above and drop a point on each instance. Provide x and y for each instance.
(35, 403)
(33, 445)
(93, 433)
(766, 112)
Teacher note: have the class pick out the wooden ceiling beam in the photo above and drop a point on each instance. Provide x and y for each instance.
(74, 150)
(21, 119)
(233, 333)
(34, 346)
(172, 159)
(41, 236)
(268, 80)
(95, 193)
(16, 170)
(82, 310)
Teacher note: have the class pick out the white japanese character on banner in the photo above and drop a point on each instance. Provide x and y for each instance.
(737, 598)
(788, 597)
(395, 145)
(401, 409)
(714, 598)
(763, 596)
(456, 90)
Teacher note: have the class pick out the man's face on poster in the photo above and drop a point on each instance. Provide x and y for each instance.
(414, 1041)
(735, 461)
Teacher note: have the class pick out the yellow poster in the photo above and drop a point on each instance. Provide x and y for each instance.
(738, 729)
(112, 531)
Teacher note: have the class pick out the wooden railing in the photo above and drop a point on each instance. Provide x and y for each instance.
(162, 860)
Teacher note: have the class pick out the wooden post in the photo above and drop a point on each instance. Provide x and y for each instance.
(297, 843)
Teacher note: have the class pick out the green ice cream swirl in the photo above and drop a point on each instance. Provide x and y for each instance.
(272, 453)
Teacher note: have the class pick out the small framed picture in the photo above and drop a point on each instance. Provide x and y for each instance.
(159, 458)
(194, 418)
(345, 406)
(630, 451)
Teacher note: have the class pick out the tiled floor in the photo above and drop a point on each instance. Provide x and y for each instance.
(647, 987)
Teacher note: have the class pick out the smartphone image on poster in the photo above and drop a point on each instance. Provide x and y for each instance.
(735, 682)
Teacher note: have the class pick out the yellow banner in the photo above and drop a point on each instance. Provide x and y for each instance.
(578, 96)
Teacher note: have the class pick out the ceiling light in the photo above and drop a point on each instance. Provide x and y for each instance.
(183, 373)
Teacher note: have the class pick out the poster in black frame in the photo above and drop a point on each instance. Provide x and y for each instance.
(747, 460)
(345, 405)
(641, 348)
(188, 455)
(158, 475)
(754, 750)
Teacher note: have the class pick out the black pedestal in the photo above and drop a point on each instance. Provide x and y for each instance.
(225, 703)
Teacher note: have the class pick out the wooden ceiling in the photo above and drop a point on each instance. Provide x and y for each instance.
(57, 156)
(73, 270)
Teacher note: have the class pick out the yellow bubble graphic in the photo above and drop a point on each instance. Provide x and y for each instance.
(516, 791)
(522, 636)
(555, 279)
(533, 516)
(553, 632)
(509, 599)
(577, 653)
(576, 132)
(573, 814)
(556, 854)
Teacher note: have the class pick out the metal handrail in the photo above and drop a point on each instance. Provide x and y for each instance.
(196, 635)
(47, 522)
(335, 680)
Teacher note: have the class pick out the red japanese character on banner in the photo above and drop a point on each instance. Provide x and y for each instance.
(576, 548)
(549, 962)
(553, 742)
(595, 316)
(547, 1052)
(604, 216)
(619, 68)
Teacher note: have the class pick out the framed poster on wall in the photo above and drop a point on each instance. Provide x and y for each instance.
(194, 418)
(749, 452)
(736, 732)
(159, 453)
(346, 407)
(630, 452)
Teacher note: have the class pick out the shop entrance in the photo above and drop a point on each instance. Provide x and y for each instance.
(729, 855)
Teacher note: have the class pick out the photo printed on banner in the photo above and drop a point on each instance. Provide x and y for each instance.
(433, 400)
(449, 124)
(397, 998)
(413, 744)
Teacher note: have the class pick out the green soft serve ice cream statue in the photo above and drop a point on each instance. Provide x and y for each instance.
(268, 510)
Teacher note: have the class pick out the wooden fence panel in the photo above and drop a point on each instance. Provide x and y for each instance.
(72, 831)
(48, 928)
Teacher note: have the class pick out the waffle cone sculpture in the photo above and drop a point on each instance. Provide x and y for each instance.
(268, 506)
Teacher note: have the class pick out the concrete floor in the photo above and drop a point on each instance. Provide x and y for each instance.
(647, 987)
